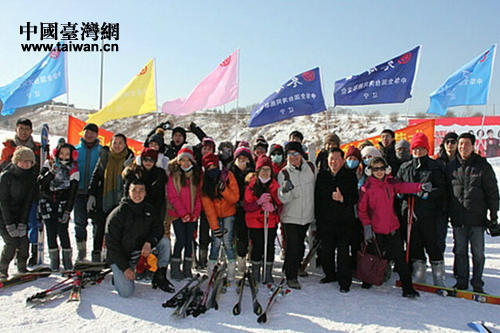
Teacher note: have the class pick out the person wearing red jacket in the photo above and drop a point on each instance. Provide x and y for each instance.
(261, 198)
(277, 154)
(376, 212)
(219, 195)
(183, 190)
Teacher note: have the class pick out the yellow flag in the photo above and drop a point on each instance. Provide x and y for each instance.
(137, 97)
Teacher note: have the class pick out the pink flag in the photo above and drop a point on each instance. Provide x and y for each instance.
(218, 88)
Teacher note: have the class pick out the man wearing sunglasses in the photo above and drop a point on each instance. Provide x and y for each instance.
(296, 192)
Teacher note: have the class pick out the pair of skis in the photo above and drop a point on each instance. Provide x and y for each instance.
(83, 275)
(450, 292)
(277, 291)
(32, 275)
(257, 309)
(44, 155)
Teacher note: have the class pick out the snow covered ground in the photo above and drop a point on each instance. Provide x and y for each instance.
(315, 308)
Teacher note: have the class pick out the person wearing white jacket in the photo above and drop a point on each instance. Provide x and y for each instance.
(296, 192)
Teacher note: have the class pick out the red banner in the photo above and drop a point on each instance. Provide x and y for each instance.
(407, 133)
(75, 132)
(487, 133)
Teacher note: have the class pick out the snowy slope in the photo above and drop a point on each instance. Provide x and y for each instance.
(315, 308)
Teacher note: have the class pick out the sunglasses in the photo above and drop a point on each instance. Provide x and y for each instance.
(450, 142)
(148, 159)
(378, 169)
(294, 154)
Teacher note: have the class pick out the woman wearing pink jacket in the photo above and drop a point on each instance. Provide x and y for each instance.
(184, 205)
(376, 212)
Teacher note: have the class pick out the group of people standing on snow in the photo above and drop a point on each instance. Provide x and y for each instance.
(238, 199)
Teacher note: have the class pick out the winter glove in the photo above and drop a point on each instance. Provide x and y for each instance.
(423, 195)
(369, 235)
(166, 125)
(65, 217)
(426, 187)
(192, 126)
(22, 230)
(186, 218)
(265, 197)
(11, 230)
(288, 186)
(91, 202)
(218, 233)
(268, 206)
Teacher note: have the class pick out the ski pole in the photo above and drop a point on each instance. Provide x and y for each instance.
(266, 218)
(411, 202)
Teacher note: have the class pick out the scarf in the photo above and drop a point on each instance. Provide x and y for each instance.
(29, 143)
(112, 190)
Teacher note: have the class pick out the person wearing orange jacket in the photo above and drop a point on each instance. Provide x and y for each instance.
(261, 197)
(219, 195)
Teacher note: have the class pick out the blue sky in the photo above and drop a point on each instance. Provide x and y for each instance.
(277, 39)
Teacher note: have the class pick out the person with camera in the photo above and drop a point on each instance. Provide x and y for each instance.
(473, 191)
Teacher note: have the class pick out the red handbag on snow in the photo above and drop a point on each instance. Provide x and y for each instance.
(371, 268)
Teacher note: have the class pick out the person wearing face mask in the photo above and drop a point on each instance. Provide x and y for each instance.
(184, 207)
(261, 197)
(226, 151)
(335, 195)
(426, 209)
(353, 163)
(219, 195)
(17, 191)
(106, 187)
(241, 167)
(58, 182)
(277, 154)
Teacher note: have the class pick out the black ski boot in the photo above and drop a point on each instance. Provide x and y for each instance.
(408, 290)
(160, 280)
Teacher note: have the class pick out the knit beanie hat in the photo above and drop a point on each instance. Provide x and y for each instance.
(242, 151)
(420, 140)
(370, 150)
(353, 151)
(293, 145)
(332, 138)
(261, 142)
(149, 152)
(402, 144)
(186, 151)
(263, 161)
(450, 135)
(209, 159)
(23, 154)
(276, 149)
(208, 141)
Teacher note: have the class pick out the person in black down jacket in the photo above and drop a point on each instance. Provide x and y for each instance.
(153, 176)
(427, 209)
(387, 147)
(106, 186)
(58, 182)
(336, 194)
(17, 190)
(133, 230)
(473, 191)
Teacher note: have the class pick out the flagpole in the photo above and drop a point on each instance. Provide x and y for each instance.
(156, 95)
(102, 69)
(66, 77)
(237, 98)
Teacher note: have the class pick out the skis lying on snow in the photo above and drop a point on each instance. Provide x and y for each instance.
(173, 301)
(25, 277)
(278, 291)
(83, 275)
(257, 309)
(188, 297)
(450, 292)
(479, 327)
(310, 255)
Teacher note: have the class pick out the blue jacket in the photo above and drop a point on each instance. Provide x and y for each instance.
(87, 159)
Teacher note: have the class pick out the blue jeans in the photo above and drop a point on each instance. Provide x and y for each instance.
(126, 287)
(184, 233)
(226, 223)
(80, 214)
(463, 236)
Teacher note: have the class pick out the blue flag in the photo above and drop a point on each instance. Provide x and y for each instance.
(389, 82)
(40, 84)
(467, 86)
(301, 95)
